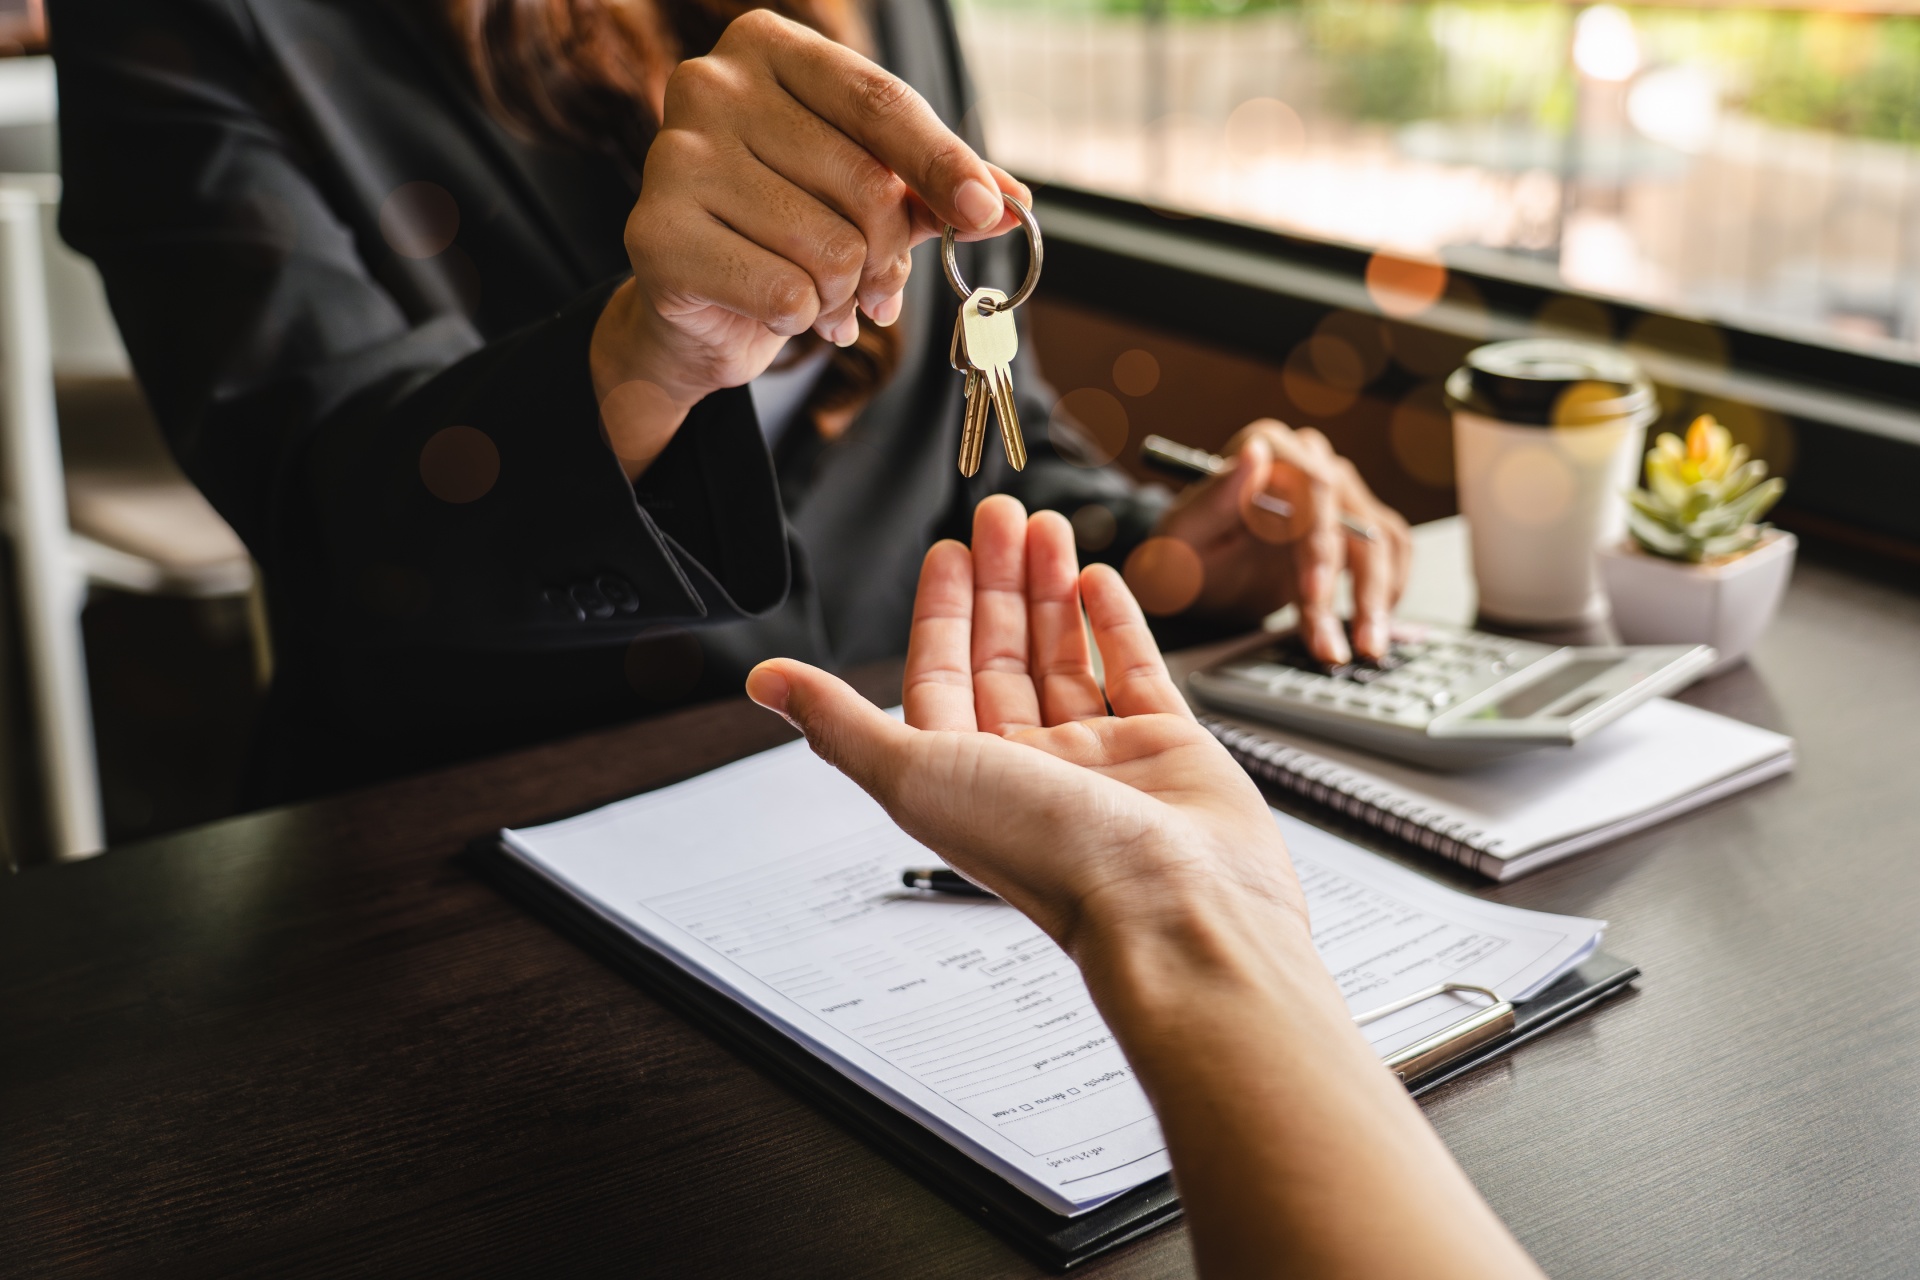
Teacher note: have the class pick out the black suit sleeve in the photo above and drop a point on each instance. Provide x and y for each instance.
(310, 395)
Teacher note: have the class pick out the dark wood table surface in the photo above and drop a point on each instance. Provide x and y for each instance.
(312, 1040)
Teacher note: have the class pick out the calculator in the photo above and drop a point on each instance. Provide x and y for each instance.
(1447, 698)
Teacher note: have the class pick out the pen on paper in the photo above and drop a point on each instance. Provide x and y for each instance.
(941, 880)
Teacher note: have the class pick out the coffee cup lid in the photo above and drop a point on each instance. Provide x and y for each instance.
(1548, 382)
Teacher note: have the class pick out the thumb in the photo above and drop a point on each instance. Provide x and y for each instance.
(843, 728)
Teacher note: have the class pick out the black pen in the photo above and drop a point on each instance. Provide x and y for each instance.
(1189, 463)
(941, 880)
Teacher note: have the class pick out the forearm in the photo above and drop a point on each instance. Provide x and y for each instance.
(558, 548)
(643, 391)
(1292, 1145)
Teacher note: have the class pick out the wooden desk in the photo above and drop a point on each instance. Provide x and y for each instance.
(311, 1041)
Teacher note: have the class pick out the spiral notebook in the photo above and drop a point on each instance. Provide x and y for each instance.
(1519, 814)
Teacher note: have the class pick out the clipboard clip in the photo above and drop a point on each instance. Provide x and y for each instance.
(1451, 1042)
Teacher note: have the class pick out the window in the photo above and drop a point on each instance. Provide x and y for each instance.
(1757, 167)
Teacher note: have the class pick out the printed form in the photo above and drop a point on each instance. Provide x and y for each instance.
(777, 882)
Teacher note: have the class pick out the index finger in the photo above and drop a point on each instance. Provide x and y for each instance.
(887, 116)
(938, 691)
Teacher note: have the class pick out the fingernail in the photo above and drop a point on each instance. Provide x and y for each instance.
(1334, 641)
(889, 309)
(1372, 638)
(978, 205)
(846, 331)
(769, 688)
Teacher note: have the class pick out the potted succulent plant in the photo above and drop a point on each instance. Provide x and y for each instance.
(1699, 567)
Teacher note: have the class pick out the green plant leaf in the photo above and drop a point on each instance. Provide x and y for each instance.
(1757, 502)
(1742, 480)
(1656, 538)
(1650, 506)
(1731, 544)
(1666, 483)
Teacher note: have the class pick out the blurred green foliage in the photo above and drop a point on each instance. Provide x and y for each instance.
(1401, 60)
(1380, 60)
(1845, 74)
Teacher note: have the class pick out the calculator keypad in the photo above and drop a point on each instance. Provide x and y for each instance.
(1426, 671)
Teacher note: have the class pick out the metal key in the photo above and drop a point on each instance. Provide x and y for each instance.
(973, 427)
(984, 344)
(989, 341)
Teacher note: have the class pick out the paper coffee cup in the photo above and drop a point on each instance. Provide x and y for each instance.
(1547, 439)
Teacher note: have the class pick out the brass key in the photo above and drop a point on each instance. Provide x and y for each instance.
(985, 341)
(990, 341)
(973, 425)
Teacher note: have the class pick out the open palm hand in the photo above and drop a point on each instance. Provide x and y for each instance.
(1010, 764)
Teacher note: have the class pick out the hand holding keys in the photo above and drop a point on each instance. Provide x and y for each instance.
(985, 340)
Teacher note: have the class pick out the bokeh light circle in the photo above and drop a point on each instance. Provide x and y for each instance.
(1094, 527)
(1262, 127)
(1402, 285)
(1363, 336)
(419, 219)
(1166, 575)
(1421, 433)
(1088, 427)
(459, 464)
(1532, 486)
(1312, 393)
(1136, 372)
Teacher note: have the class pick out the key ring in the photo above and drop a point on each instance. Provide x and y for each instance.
(1027, 286)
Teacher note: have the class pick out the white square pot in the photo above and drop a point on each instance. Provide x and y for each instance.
(1727, 605)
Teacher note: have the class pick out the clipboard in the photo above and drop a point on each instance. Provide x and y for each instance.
(1055, 1241)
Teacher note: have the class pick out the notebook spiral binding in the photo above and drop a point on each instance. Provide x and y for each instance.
(1323, 782)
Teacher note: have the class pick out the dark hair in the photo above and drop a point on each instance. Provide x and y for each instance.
(593, 74)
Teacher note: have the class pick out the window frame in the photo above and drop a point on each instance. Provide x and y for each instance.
(1854, 415)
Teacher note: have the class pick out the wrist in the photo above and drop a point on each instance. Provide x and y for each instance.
(1188, 934)
(627, 347)
(641, 402)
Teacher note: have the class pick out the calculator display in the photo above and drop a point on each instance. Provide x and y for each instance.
(1527, 702)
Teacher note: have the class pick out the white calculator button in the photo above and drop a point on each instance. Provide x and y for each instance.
(1439, 698)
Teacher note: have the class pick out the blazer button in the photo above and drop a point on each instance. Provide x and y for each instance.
(619, 593)
(587, 597)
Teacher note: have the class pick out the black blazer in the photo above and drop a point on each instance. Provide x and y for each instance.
(227, 163)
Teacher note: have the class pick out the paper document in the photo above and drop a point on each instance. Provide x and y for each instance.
(777, 882)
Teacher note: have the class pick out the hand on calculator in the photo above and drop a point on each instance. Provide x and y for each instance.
(1256, 561)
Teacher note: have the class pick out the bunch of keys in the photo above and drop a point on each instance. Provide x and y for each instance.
(984, 344)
